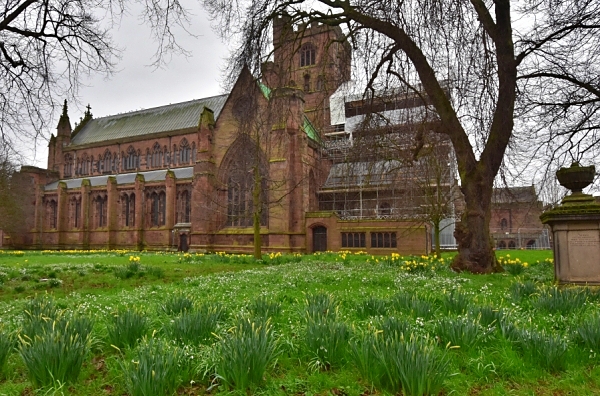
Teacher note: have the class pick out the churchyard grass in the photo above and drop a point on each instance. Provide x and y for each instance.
(323, 324)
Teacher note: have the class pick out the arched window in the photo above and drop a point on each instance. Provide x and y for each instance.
(306, 82)
(156, 156)
(503, 224)
(68, 167)
(320, 83)
(157, 202)
(128, 209)
(130, 159)
(307, 55)
(85, 165)
(185, 152)
(107, 162)
(52, 214)
(75, 211)
(240, 166)
(101, 210)
(183, 207)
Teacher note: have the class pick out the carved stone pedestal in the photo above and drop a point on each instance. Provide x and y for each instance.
(575, 226)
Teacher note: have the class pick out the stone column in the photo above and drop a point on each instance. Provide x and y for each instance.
(85, 213)
(112, 211)
(171, 197)
(62, 217)
(139, 211)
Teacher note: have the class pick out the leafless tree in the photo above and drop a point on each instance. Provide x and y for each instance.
(11, 194)
(478, 49)
(48, 46)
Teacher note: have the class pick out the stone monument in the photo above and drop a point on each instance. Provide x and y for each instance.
(575, 226)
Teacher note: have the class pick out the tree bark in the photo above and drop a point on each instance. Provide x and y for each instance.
(257, 209)
(475, 246)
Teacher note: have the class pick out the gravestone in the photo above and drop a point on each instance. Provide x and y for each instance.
(575, 227)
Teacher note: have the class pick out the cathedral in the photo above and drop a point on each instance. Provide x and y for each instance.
(279, 154)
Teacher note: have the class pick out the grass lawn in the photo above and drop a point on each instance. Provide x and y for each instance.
(326, 324)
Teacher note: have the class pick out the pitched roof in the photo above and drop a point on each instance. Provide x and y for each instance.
(124, 178)
(178, 116)
(514, 195)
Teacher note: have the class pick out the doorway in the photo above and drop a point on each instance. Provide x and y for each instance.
(183, 242)
(319, 239)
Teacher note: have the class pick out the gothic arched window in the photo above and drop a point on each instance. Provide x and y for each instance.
(240, 170)
(131, 159)
(85, 165)
(68, 167)
(52, 214)
(107, 162)
(157, 202)
(306, 82)
(185, 152)
(503, 224)
(307, 55)
(156, 156)
(183, 207)
(101, 210)
(128, 209)
(75, 211)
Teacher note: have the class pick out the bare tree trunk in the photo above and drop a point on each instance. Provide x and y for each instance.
(472, 233)
(436, 237)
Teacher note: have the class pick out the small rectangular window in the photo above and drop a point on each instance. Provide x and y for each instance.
(383, 240)
(354, 239)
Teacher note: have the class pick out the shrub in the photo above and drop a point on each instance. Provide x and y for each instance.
(372, 306)
(563, 301)
(177, 304)
(546, 350)
(197, 327)
(264, 308)
(56, 353)
(320, 305)
(128, 326)
(154, 370)
(245, 354)
(327, 341)
(588, 333)
(457, 302)
(414, 367)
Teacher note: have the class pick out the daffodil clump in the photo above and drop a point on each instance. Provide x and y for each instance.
(513, 266)
(134, 259)
(15, 253)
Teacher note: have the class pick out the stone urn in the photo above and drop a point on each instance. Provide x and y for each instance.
(576, 177)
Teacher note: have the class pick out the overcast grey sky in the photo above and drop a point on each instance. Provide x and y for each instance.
(137, 85)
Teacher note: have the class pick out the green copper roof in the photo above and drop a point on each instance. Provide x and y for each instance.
(307, 126)
(174, 117)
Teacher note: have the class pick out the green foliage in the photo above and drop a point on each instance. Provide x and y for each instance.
(262, 307)
(588, 333)
(523, 290)
(7, 344)
(196, 327)
(463, 332)
(546, 350)
(128, 326)
(563, 301)
(177, 303)
(55, 354)
(245, 354)
(320, 305)
(487, 315)
(326, 341)
(372, 306)
(414, 367)
(155, 369)
(457, 302)
(413, 305)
